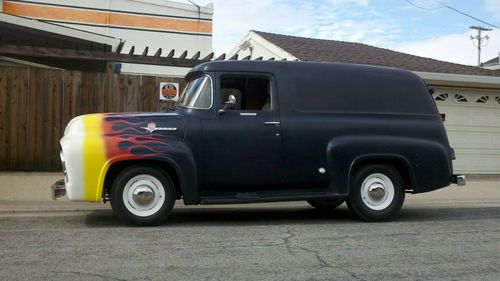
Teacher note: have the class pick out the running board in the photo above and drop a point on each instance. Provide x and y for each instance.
(265, 196)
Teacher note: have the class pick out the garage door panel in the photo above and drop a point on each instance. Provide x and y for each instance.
(474, 140)
(477, 151)
(477, 164)
(471, 115)
(473, 130)
(486, 130)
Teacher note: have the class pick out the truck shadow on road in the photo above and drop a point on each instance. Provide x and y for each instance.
(200, 216)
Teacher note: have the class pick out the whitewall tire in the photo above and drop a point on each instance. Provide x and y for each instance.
(377, 192)
(142, 195)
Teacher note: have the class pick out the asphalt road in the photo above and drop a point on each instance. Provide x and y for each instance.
(291, 241)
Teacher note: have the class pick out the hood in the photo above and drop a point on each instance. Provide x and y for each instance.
(112, 124)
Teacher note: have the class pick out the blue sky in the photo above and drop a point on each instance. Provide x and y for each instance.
(438, 33)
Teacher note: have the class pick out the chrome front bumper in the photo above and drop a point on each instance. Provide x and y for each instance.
(458, 180)
(58, 189)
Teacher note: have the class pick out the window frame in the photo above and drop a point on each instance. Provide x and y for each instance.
(247, 75)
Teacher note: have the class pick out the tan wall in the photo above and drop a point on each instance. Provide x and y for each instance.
(164, 24)
(27, 186)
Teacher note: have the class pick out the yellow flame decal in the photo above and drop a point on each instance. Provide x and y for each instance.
(94, 158)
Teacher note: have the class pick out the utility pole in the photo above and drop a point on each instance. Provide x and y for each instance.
(480, 40)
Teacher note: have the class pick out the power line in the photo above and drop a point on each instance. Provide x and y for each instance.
(453, 9)
(423, 8)
(465, 14)
(197, 6)
(192, 2)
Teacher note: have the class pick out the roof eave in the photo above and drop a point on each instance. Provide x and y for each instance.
(61, 30)
(459, 80)
(207, 9)
(279, 52)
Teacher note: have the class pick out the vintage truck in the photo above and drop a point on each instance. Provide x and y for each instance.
(265, 131)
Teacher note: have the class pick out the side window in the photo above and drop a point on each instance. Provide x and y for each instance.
(197, 94)
(251, 93)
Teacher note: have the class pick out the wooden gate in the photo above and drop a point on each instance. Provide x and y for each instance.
(37, 103)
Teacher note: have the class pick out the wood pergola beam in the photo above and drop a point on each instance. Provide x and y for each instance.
(55, 56)
(56, 53)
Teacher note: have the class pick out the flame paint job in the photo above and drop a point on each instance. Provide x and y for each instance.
(94, 142)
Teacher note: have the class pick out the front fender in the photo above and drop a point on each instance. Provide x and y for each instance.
(92, 145)
(171, 151)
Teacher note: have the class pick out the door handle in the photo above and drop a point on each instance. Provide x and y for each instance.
(272, 123)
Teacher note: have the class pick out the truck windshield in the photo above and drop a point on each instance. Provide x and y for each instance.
(197, 94)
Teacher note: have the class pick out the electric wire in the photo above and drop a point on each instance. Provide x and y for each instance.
(453, 9)
(465, 14)
(423, 8)
(192, 2)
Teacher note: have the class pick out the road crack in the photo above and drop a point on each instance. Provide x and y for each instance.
(322, 262)
(105, 277)
(287, 242)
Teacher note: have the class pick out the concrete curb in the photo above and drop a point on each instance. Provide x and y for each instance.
(29, 192)
(44, 206)
(486, 194)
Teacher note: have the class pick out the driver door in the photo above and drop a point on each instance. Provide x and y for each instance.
(242, 145)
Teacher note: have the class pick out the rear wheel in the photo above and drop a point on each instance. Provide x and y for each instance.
(377, 192)
(142, 195)
(326, 204)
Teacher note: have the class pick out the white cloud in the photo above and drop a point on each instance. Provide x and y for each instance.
(233, 20)
(328, 19)
(493, 6)
(456, 48)
(346, 20)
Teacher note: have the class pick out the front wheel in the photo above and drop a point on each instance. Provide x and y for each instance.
(142, 195)
(377, 192)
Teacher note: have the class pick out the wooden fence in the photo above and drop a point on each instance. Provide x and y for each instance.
(36, 104)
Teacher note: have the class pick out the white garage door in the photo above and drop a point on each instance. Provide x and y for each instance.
(472, 121)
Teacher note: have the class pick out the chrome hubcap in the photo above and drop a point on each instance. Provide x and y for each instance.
(143, 195)
(376, 191)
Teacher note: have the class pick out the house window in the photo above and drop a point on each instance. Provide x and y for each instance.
(442, 97)
(483, 99)
(460, 98)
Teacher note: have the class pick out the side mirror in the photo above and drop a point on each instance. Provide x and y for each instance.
(230, 103)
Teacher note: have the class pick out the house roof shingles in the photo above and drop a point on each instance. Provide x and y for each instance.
(309, 49)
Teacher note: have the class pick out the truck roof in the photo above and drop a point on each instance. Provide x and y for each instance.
(284, 66)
